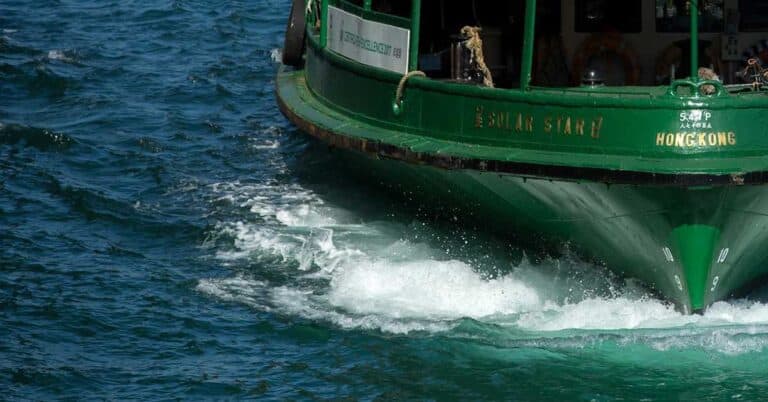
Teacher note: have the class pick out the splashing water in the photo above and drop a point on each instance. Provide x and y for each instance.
(127, 273)
(366, 275)
(276, 55)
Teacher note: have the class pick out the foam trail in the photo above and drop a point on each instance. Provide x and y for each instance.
(427, 289)
(276, 55)
(59, 55)
(365, 276)
(286, 300)
(269, 144)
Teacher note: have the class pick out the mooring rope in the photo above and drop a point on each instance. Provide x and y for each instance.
(475, 44)
(403, 81)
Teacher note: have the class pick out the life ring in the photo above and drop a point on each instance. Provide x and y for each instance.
(295, 35)
(606, 43)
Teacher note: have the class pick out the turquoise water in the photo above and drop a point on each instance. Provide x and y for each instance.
(165, 233)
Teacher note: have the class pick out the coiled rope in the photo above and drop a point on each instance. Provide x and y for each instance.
(475, 44)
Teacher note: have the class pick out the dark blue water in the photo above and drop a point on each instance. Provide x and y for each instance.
(165, 233)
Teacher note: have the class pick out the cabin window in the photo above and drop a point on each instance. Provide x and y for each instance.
(608, 16)
(502, 34)
(754, 15)
(398, 8)
(626, 44)
(674, 16)
(550, 67)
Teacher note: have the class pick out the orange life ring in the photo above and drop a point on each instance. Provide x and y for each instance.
(603, 43)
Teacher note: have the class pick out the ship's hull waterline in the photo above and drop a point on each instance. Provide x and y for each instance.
(668, 191)
(693, 246)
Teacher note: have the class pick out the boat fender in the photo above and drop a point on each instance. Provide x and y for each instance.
(295, 35)
(598, 44)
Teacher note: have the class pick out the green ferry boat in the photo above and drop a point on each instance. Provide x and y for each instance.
(636, 131)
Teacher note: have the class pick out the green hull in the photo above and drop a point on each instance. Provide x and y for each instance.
(665, 189)
(623, 225)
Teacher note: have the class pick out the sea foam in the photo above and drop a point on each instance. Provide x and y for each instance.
(365, 276)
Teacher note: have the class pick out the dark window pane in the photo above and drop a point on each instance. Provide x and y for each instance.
(399, 8)
(675, 16)
(608, 16)
(754, 15)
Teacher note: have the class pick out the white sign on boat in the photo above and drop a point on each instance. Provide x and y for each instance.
(368, 42)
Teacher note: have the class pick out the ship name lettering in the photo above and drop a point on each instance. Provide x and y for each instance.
(580, 127)
(520, 122)
(479, 117)
(597, 125)
(569, 125)
(695, 139)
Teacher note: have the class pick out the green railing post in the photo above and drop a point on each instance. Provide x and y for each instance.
(530, 30)
(413, 55)
(367, 4)
(694, 40)
(324, 23)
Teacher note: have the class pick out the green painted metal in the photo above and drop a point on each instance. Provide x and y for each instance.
(694, 87)
(324, 23)
(652, 131)
(463, 120)
(528, 44)
(627, 226)
(413, 58)
(694, 10)
(695, 246)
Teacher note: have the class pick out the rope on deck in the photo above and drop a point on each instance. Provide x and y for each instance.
(475, 44)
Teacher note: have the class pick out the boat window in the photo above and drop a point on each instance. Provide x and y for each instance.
(599, 44)
(441, 24)
(501, 32)
(754, 15)
(674, 16)
(608, 16)
(611, 45)
(399, 8)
